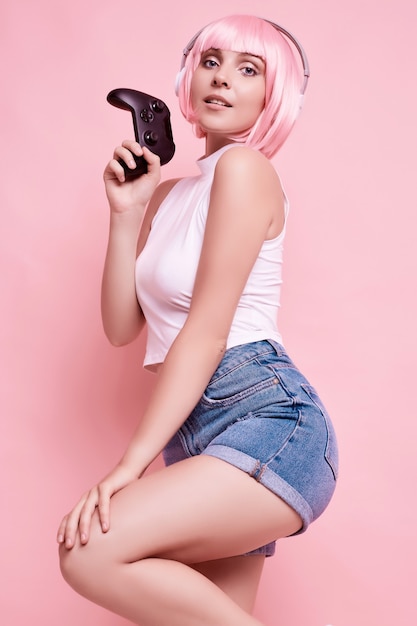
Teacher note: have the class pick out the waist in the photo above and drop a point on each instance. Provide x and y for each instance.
(155, 359)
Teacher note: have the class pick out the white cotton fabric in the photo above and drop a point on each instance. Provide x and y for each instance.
(165, 270)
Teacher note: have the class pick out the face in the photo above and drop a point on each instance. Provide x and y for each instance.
(228, 92)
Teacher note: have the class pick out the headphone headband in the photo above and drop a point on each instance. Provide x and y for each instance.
(283, 31)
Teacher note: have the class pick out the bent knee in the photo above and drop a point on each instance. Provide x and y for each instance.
(78, 568)
(68, 563)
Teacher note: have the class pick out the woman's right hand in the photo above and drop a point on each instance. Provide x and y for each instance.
(78, 520)
(126, 195)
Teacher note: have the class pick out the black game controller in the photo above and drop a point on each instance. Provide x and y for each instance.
(151, 121)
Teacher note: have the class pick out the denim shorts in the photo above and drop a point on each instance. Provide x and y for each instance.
(260, 414)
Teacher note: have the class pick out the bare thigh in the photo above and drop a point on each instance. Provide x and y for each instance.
(200, 509)
(237, 576)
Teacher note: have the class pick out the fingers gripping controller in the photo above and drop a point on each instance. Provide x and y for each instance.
(151, 121)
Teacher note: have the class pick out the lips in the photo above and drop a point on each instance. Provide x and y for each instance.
(217, 100)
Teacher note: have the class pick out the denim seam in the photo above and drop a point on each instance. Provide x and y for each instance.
(277, 454)
(310, 391)
(241, 395)
(183, 440)
(239, 365)
(269, 479)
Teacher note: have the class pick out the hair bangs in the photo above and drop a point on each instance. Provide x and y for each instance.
(242, 33)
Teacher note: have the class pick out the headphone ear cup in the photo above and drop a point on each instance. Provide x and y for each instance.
(178, 81)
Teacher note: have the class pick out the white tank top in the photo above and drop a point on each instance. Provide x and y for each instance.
(166, 268)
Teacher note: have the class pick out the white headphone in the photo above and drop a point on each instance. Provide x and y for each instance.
(304, 60)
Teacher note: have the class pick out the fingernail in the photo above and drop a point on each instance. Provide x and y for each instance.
(104, 527)
(83, 537)
(68, 543)
(60, 538)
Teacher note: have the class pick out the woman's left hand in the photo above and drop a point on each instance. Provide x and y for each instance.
(78, 521)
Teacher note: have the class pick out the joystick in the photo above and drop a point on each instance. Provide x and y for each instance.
(152, 125)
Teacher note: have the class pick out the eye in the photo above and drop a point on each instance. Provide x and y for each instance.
(249, 70)
(251, 65)
(209, 62)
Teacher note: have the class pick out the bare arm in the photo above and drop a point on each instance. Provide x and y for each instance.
(132, 207)
(246, 207)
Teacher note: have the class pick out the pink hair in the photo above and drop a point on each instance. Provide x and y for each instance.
(246, 33)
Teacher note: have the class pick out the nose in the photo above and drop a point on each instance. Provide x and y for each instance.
(220, 79)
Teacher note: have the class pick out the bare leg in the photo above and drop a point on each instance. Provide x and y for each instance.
(195, 511)
(237, 576)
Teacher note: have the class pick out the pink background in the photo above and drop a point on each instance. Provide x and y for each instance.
(69, 400)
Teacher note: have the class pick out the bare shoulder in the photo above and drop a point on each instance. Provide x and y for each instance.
(246, 181)
(247, 168)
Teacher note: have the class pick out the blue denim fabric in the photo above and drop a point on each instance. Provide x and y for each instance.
(260, 414)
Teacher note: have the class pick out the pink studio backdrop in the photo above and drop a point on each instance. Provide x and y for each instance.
(69, 400)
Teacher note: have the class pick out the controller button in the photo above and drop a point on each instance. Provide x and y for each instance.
(151, 137)
(146, 115)
(158, 106)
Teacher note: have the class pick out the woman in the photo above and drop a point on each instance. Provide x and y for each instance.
(250, 451)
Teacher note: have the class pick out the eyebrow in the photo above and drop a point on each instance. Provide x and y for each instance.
(219, 51)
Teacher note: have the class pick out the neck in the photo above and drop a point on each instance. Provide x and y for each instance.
(215, 142)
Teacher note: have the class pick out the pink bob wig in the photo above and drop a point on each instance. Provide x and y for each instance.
(283, 79)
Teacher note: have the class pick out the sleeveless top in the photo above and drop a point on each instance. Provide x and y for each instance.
(166, 268)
